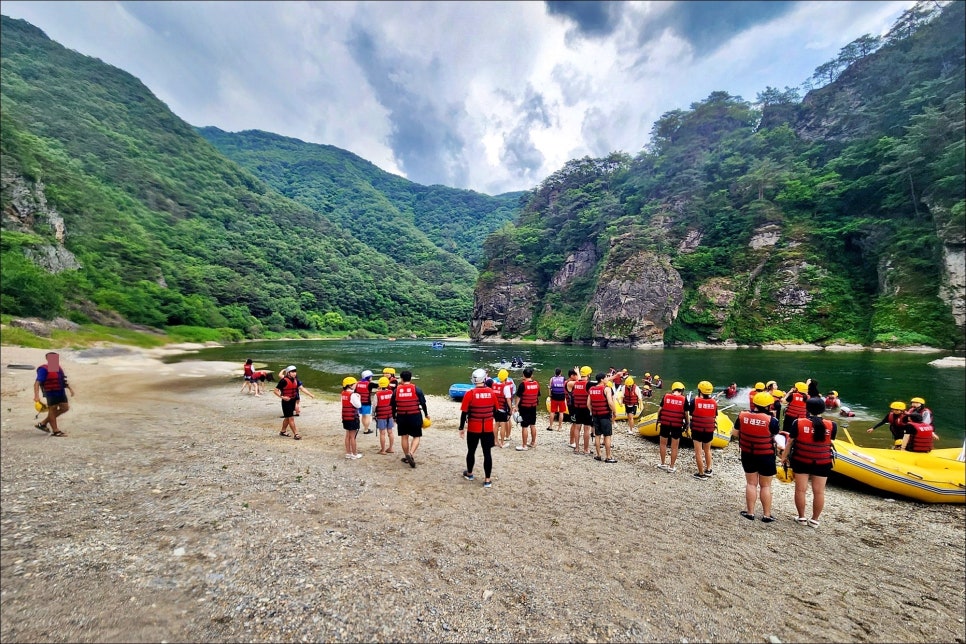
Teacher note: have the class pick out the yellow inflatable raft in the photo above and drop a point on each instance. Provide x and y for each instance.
(722, 432)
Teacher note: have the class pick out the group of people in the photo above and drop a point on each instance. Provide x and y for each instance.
(910, 425)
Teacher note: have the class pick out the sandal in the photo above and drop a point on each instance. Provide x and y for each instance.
(285, 434)
(42, 427)
(801, 520)
(768, 519)
(748, 515)
(297, 437)
(813, 523)
(60, 433)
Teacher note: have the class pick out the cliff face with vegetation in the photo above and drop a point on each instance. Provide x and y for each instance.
(835, 219)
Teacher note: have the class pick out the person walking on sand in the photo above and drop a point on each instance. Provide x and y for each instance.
(478, 408)
(251, 380)
(704, 420)
(298, 391)
(672, 419)
(383, 413)
(809, 451)
(52, 380)
(558, 400)
(364, 388)
(527, 399)
(407, 401)
(756, 431)
(632, 397)
(288, 388)
(600, 401)
(351, 403)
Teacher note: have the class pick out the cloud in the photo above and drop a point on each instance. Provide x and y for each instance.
(590, 18)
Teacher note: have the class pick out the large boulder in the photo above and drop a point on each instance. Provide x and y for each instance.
(503, 306)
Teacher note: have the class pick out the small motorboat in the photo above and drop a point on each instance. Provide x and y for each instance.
(458, 390)
(438, 345)
(722, 432)
(938, 476)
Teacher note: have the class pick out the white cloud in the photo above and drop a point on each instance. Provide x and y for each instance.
(492, 96)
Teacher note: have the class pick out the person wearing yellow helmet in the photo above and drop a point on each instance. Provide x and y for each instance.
(656, 382)
(407, 402)
(672, 419)
(600, 400)
(758, 388)
(581, 427)
(918, 435)
(809, 452)
(918, 406)
(703, 411)
(382, 410)
(632, 397)
(895, 418)
(351, 404)
(52, 380)
(477, 411)
(288, 389)
(646, 380)
(832, 401)
(505, 388)
(795, 404)
(755, 431)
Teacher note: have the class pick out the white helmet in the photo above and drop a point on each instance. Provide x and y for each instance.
(478, 377)
(517, 418)
(366, 374)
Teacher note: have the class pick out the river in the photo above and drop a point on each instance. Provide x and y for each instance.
(867, 381)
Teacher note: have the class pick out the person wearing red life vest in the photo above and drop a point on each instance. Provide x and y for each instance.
(672, 419)
(895, 418)
(382, 410)
(756, 430)
(758, 388)
(52, 380)
(351, 403)
(251, 382)
(918, 406)
(504, 386)
(364, 388)
(600, 400)
(288, 388)
(527, 398)
(794, 404)
(703, 410)
(477, 411)
(407, 401)
(632, 397)
(809, 445)
(580, 412)
(558, 399)
(919, 435)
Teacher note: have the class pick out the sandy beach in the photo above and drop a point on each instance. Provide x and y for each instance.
(173, 511)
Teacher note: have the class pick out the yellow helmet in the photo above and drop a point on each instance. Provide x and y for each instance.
(647, 374)
(778, 393)
(801, 387)
(586, 371)
(503, 374)
(898, 406)
(785, 474)
(760, 386)
(629, 381)
(384, 382)
(657, 377)
(389, 371)
(835, 393)
(918, 400)
(39, 406)
(677, 385)
(763, 399)
(348, 380)
(705, 387)
(426, 422)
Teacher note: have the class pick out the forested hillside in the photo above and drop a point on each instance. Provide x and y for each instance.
(117, 211)
(838, 218)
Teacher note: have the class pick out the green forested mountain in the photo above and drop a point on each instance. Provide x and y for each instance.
(835, 219)
(113, 206)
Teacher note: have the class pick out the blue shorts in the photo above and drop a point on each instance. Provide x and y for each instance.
(383, 424)
(365, 410)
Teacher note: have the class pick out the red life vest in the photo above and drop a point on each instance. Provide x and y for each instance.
(731, 391)
(630, 396)
(580, 394)
(407, 402)
(751, 398)
(831, 402)
(249, 372)
(754, 434)
(922, 440)
(672, 410)
(289, 386)
(807, 448)
(704, 418)
(479, 404)
(505, 390)
(349, 412)
(530, 394)
(362, 388)
(598, 401)
(383, 404)
(55, 381)
(796, 405)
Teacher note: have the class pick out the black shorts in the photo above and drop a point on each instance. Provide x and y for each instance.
(528, 416)
(350, 425)
(411, 425)
(582, 416)
(810, 468)
(603, 426)
(501, 416)
(631, 411)
(667, 431)
(55, 398)
(702, 437)
(288, 408)
(763, 464)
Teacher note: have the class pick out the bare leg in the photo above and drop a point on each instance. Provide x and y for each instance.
(801, 484)
(415, 445)
(662, 448)
(818, 496)
(751, 492)
(765, 493)
(674, 450)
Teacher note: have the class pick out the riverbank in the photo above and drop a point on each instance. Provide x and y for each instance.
(174, 511)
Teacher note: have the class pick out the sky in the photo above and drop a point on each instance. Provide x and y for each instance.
(488, 96)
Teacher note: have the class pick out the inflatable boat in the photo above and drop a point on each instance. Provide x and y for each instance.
(647, 426)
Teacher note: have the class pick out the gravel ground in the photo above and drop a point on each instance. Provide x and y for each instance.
(173, 511)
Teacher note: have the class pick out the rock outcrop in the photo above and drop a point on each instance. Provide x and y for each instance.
(27, 210)
(503, 307)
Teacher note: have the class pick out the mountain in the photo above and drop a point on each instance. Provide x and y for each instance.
(837, 219)
(117, 211)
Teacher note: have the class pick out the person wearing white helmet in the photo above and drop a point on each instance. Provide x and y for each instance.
(288, 388)
(364, 388)
(476, 414)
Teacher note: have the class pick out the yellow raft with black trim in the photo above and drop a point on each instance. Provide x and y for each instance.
(722, 431)
(934, 477)
(620, 411)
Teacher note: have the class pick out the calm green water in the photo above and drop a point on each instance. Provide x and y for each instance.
(866, 381)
